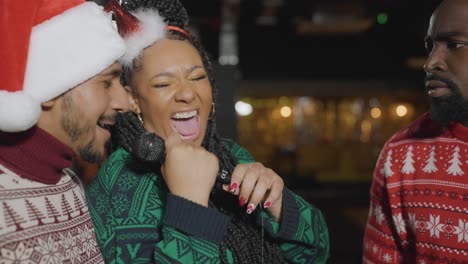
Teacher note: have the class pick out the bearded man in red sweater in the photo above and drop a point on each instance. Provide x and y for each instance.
(419, 194)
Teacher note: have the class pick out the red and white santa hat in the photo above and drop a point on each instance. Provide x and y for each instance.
(140, 29)
(47, 48)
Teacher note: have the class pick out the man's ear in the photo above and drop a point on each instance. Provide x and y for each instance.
(47, 105)
(133, 99)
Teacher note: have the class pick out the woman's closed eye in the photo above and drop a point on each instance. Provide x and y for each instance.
(199, 77)
(161, 85)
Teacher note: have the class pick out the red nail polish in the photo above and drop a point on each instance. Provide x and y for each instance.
(266, 205)
(241, 201)
(250, 208)
(233, 187)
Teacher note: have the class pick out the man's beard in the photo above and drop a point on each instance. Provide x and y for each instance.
(70, 121)
(89, 153)
(449, 109)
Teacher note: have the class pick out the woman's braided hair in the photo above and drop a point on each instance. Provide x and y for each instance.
(243, 237)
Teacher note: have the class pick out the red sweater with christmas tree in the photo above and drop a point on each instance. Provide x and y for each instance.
(419, 197)
(44, 216)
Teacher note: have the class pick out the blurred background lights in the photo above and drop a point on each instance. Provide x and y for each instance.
(374, 102)
(283, 100)
(243, 109)
(382, 18)
(376, 113)
(286, 111)
(401, 110)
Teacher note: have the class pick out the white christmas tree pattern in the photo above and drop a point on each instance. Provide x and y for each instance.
(387, 168)
(455, 163)
(408, 166)
(430, 165)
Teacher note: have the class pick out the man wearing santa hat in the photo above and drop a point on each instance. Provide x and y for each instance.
(59, 93)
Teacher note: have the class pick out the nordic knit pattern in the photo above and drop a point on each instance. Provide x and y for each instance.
(42, 222)
(137, 221)
(419, 197)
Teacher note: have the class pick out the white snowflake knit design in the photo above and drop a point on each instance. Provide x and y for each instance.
(434, 226)
(455, 163)
(399, 223)
(379, 216)
(387, 258)
(412, 222)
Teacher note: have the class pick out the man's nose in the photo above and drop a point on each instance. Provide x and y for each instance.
(436, 61)
(120, 98)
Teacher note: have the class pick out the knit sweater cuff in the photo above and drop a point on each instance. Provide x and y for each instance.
(289, 218)
(195, 219)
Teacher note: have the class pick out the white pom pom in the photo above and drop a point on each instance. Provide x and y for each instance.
(18, 111)
(152, 29)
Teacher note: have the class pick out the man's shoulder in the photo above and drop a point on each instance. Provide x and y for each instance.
(4, 170)
(14, 179)
(422, 128)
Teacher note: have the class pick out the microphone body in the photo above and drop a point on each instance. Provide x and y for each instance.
(149, 147)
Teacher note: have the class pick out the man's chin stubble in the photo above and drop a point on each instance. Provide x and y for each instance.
(89, 153)
(449, 110)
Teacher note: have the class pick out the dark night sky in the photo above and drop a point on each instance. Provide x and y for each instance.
(277, 52)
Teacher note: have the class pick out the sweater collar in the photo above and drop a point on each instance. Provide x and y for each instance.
(35, 155)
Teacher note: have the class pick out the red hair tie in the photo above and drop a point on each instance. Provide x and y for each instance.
(178, 29)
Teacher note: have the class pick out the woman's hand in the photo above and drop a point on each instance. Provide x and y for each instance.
(255, 185)
(189, 170)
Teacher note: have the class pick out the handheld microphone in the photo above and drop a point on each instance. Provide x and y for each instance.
(149, 147)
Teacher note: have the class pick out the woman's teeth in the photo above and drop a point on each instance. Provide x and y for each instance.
(185, 115)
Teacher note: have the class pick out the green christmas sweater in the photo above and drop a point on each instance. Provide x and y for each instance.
(137, 221)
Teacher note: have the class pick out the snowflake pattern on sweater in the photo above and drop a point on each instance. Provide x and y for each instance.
(132, 223)
(41, 223)
(419, 199)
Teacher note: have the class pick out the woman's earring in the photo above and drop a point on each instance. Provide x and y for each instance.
(213, 110)
(140, 118)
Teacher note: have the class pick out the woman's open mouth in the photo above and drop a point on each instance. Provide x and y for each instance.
(186, 124)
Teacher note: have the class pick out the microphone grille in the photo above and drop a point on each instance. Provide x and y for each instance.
(149, 147)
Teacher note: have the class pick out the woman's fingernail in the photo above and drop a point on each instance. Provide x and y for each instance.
(241, 201)
(250, 208)
(233, 187)
(266, 205)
